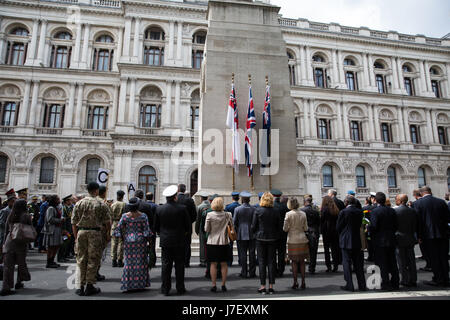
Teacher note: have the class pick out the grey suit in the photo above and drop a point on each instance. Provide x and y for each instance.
(243, 216)
(406, 240)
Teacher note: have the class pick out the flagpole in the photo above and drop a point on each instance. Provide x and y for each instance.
(233, 183)
(252, 186)
(269, 144)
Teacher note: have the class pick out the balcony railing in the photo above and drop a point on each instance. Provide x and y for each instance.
(149, 131)
(97, 3)
(49, 131)
(446, 148)
(362, 190)
(392, 145)
(393, 190)
(6, 129)
(361, 144)
(421, 147)
(328, 142)
(299, 141)
(94, 133)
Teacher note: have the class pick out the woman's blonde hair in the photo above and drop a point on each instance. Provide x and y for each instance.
(217, 204)
(292, 203)
(266, 200)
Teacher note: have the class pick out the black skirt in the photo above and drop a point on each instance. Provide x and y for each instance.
(216, 253)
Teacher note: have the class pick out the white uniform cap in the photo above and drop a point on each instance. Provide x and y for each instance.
(170, 191)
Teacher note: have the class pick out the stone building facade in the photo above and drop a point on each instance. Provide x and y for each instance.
(88, 84)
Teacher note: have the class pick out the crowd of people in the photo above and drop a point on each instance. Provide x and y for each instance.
(276, 232)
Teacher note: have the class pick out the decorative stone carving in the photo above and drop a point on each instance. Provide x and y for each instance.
(99, 95)
(9, 91)
(186, 90)
(55, 94)
(186, 29)
(21, 155)
(415, 116)
(386, 114)
(381, 164)
(151, 92)
(69, 157)
(442, 118)
(355, 111)
(323, 109)
(348, 164)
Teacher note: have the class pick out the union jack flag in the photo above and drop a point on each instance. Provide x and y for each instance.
(251, 123)
(233, 123)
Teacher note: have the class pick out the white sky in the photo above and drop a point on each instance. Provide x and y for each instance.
(428, 17)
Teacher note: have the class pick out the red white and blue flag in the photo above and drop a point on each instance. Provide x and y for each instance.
(233, 124)
(267, 123)
(251, 123)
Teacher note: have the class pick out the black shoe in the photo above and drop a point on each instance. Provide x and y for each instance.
(262, 291)
(362, 290)
(120, 264)
(413, 285)
(335, 269)
(52, 265)
(224, 289)
(80, 291)
(63, 260)
(114, 264)
(99, 277)
(91, 290)
(271, 291)
(347, 289)
(164, 292)
(213, 289)
(19, 285)
(407, 285)
(328, 270)
(187, 265)
(6, 293)
(181, 292)
(244, 276)
(252, 276)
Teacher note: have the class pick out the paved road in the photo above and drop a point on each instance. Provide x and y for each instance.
(52, 284)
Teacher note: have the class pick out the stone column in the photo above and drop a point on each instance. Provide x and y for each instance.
(122, 100)
(32, 49)
(26, 102)
(127, 40)
(429, 129)
(371, 125)
(309, 69)
(346, 127)
(39, 114)
(335, 79)
(34, 102)
(427, 75)
(167, 166)
(141, 49)
(423, 81)
(401, 124)
(114, 109)
(366, 72)
(131, 106)
(405, 120)
(376, 112)
(371, 72)
(168, 109)
(339, 132)
(434, 126)
(171, 39)
(341, 70)
(84, 58)
(394, 75)
(118, 51)
(40, 58)
(76, 50)
(303, 75)
(176, 114)
(136, 39)
(79, 105)
(313, 119)
(306, 120)
(400, 76)
(69, 111)
(179, 40)
(2, 47)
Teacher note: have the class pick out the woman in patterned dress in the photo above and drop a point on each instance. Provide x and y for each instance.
(134, 229)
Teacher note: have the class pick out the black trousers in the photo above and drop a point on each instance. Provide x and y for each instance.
(406, 259)
(169, 256)
(152, 253)
(187, 249)
(438, 253)
(230, 253)
(313, 238)
(370, 249)
(425, 255)
(280, 257)
(332, 245)
(246, 248)
(266, 260)
(353, 257)
(386, 260)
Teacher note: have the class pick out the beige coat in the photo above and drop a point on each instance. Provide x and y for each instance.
(295, 224)
(216, 226)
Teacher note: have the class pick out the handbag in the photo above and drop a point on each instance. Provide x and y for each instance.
(22, 232)
(231, 232)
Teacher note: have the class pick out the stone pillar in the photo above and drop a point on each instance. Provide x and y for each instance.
(118, 51)
(34, 102)
(136, 39)
(141, 49)
(401, 123)
(371, 135)
(335, 80)
(339, 131)
(40, 58)
(168, 109)
(429, 129)
(37, 121)
(309, 69)
(2, 47)
(114, 109)
(371, 72)
(179, 41)
(69, 111)
(423, 81)
(176, 114)
(126, 165)
(342, 80)
(376, 112)
(405, 120)
(313, 119)
(427, 75)
(126, 40)
(26, 102)
(167, 167)
(394, 76)
(122, 100)
(84, 58)
(346, 127)
(32, 49)
(400, 76)
(366, 72)
(171, 39)
(76, 50)
(79, 105)
(434, 126)
(303, 75)
(306, 120)
(131, 106)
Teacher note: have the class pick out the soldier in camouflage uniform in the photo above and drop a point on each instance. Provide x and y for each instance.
(106, 232)
(117, 209)
(89, 215)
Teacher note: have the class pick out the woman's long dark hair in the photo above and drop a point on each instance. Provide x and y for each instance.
(19, 208)
(328, 203)
(53, 201)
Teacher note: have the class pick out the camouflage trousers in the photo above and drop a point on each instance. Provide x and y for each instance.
(116, 248)
(89, 250)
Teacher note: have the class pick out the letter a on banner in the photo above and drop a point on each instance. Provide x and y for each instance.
(131, 190)
(102, 176)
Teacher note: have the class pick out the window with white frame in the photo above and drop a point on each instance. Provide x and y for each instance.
(16, 46)
(103, 53)
(61, 50)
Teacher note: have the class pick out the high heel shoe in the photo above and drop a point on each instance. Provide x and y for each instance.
(262, 291)
(295, 286)
(214, 289)
(303, 286)
(271, 291)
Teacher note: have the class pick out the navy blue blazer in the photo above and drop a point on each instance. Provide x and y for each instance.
(348, 227)
(434, 217)
(243, 217)
(383, 226)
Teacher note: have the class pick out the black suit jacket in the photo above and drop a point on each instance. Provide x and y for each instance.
(383, 226)
(434, 216)
(348, 227)
(313, 218)
(173, 223)
(339, 203)
(407, 226)
(266, 224)
(190, 206)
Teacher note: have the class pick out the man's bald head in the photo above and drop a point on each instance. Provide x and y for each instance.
(401, 199)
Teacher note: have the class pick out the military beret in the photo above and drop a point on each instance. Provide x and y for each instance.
(260, 194)
(351, 192)
(67, 197)
(276, 192)
(245, 194)
(234, 194)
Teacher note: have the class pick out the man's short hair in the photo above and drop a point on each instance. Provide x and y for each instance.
(149, 196)
(350, 200)
(101, 190)
(380, 197)
(182, 188)
(235, 198)
(416, 193)
(333, 192)
(139, 194)
(425, 190)
(92, 186)
(403, 198)
(308, 200)
(120, 193)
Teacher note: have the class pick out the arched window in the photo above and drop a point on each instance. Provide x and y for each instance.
(150, 103)
(53, 116)
(63, 35)
(17, 45)
(19, 31)
(291, 63)
(105, 39)
(103, 53)
(197, 58)
(392, 177)
(386, 132)
(47, 170)
(61, 50)
(198, 48)
(147, 179)
(422, 177)
(92, 166)
(406, 68)
(154, 46)
(199, 37)
(360, 177)
(378, 65)
(349, 62)
(415, 134)
(8, 113)
(434, 72)
(442, 134)
(435, 81)
(154, 33)
(3, 166)
(327, 176)
(318, 58)
(97, 118)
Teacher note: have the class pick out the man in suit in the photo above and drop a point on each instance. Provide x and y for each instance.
(243, 216)
(281, 247)
(185, 200)
(383, 226)
(406, 240)
(367, 210)
(434, 216)
(204, 205)
(313, 219)
(423, 250)
(339, 203)
(172, 223)
(230, 208)
(348, 227)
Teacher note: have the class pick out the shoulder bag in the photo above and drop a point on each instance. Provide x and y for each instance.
(231, 232)
(22, 232)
